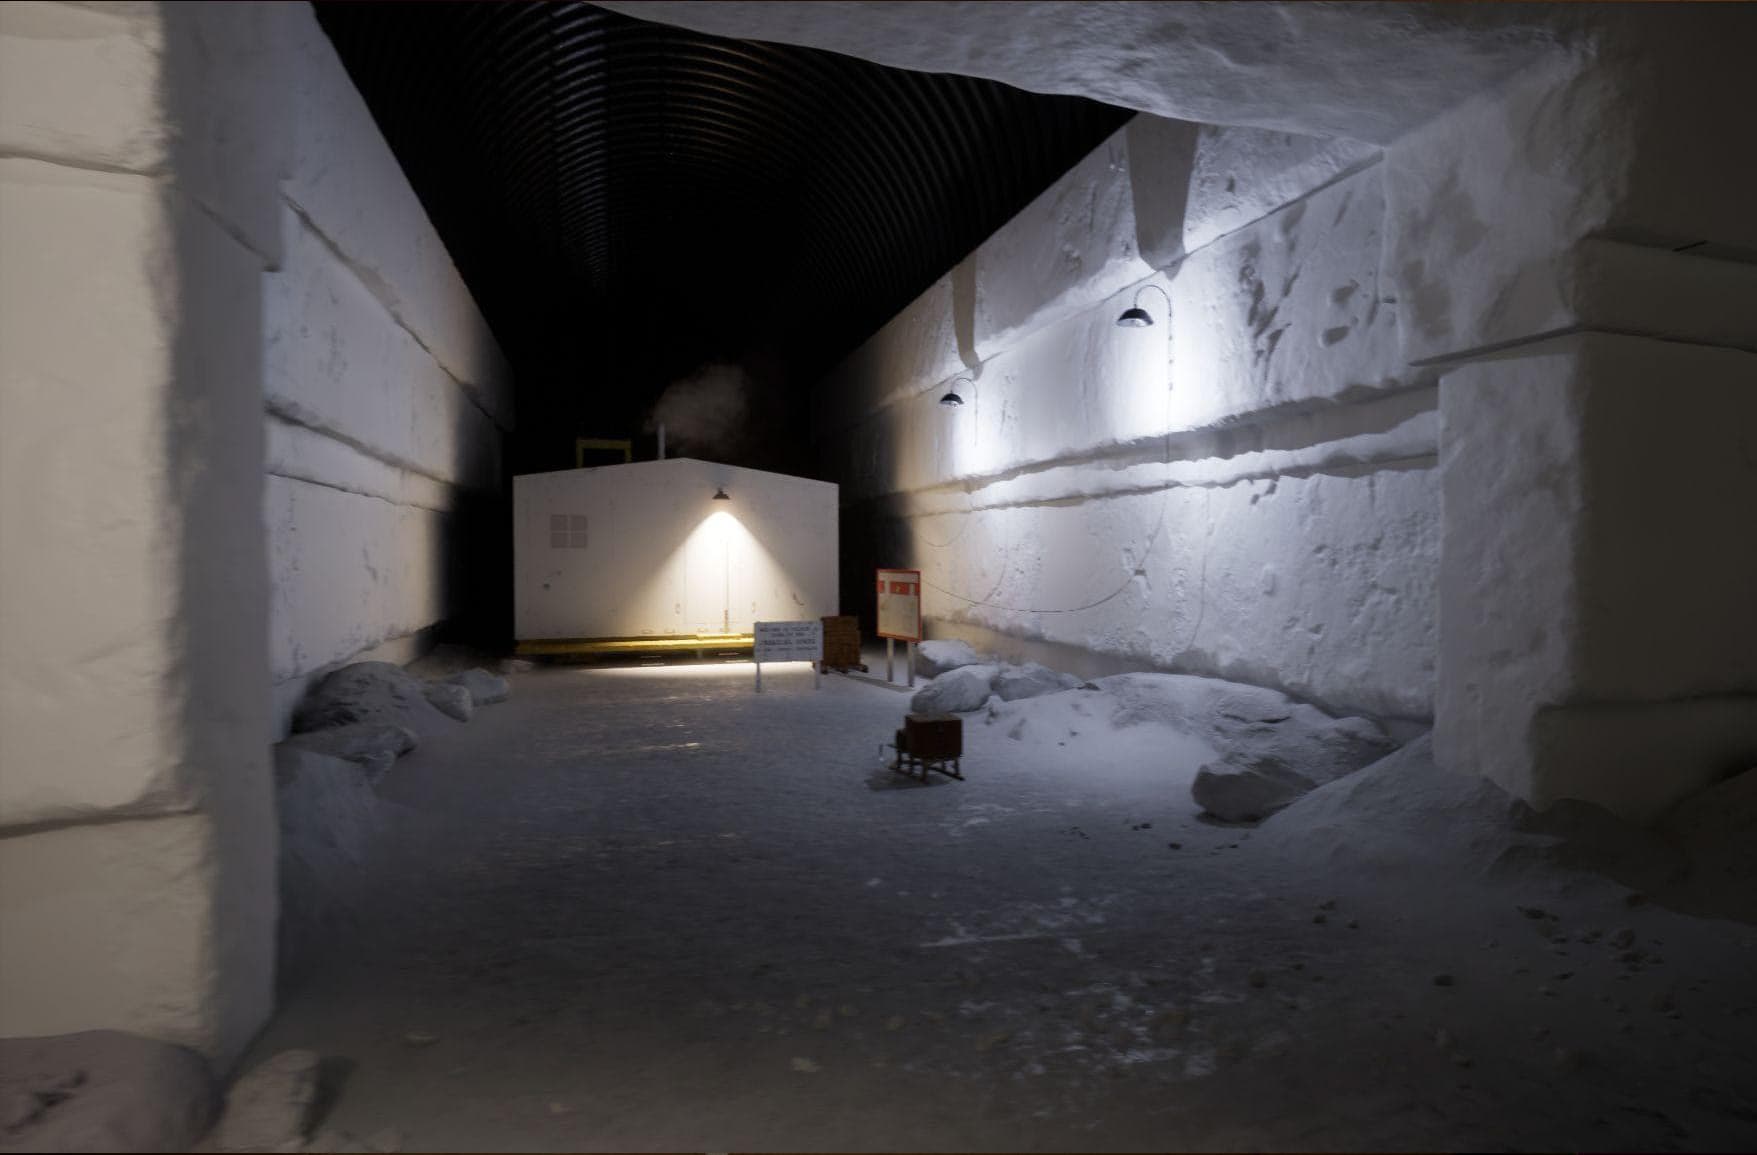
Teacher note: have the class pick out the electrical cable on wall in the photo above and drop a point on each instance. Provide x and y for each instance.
(1159, 525)
(969, 508)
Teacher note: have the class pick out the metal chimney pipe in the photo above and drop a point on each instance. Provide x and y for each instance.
(661, 442)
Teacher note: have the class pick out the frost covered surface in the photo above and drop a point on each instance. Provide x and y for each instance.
(649, 908)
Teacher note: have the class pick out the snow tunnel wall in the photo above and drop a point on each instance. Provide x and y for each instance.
(228, 337)
(135, 794)
(387, 398)
(1245, 488)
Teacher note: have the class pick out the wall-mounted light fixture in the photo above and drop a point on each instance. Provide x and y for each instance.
(952, 399)
(720, 494)
(1135, 317)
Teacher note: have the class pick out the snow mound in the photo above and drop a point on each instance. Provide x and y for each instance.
(485, 688)
(938, 657)
(372, 746)
(1250, 722)
(450, 699)
(329, 817)
(956, 691)
(1246, 789)
(1031, 681)
(1401, 809)
(1404, 816)
(1075, 731)
(1272, 748)
(102, 1091)
(377, 692)
(270, 1108)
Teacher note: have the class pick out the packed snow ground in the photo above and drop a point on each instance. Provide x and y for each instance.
(649, 909)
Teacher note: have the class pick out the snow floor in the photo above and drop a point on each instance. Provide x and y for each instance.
(646, 908)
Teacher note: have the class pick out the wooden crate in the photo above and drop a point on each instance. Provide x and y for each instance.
(841, 642)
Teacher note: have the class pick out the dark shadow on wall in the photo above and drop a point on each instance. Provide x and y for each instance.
(964, 310)
(871, 538)
(478, 572)
(856, 566)
(1162, 157)
(867, 542)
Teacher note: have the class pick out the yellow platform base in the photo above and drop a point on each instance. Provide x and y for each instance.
(669, 644)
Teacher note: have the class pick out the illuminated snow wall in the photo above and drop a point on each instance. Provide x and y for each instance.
(1389, 450)
(1244, 488)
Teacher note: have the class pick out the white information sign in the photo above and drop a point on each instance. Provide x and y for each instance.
(789, 642)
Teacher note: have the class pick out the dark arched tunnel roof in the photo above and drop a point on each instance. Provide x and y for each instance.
(628, 200)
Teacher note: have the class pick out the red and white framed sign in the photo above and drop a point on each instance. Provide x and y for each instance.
(899, 604)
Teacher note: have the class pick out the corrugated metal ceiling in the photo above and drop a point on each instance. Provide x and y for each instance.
(627, 200)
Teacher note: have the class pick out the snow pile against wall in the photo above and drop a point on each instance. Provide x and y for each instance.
(386, 395)
(1244, 488)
